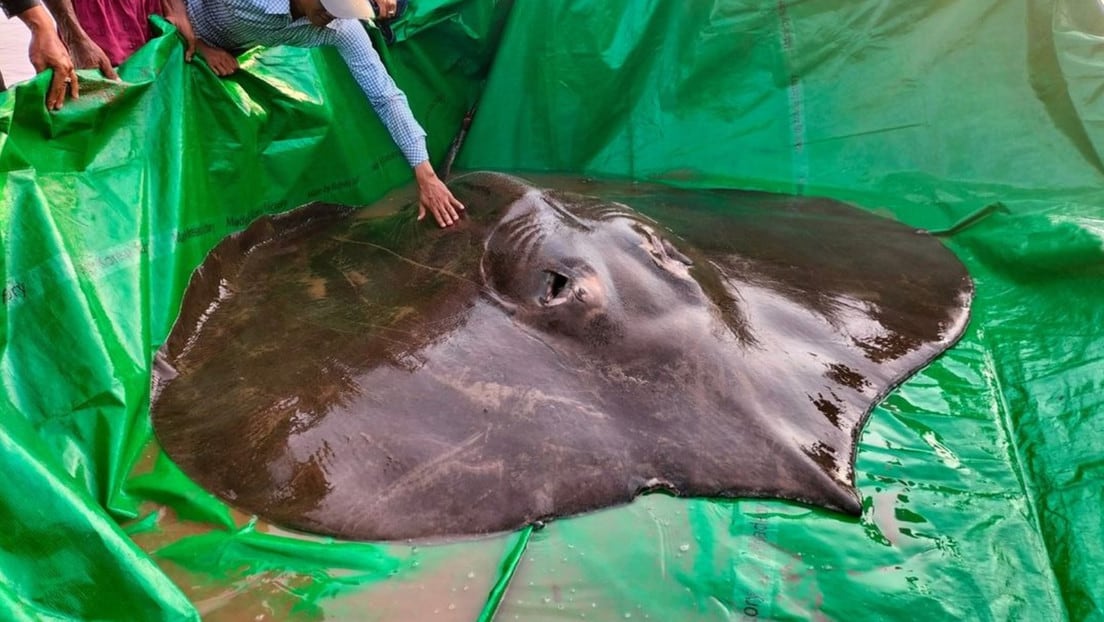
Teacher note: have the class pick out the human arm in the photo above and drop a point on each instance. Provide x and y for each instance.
(85, 53)
(391, 105)
(47, 51)
(177, 15)
(355, 47)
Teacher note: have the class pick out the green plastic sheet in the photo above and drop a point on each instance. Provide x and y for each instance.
(980, 477)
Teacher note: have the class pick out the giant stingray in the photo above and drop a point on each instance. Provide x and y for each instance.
(553, 353)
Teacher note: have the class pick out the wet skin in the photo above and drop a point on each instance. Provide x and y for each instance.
(553, 353)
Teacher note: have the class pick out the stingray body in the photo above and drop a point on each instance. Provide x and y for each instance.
(553, 353)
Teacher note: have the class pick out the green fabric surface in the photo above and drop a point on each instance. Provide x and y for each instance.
(980, 476)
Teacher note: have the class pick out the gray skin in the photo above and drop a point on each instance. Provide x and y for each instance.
(552, 354)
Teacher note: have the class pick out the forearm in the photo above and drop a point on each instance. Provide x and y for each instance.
(394, 111)
(383, 94)
(173, 7)
(404, 129)
(67, 22)
(37, 19)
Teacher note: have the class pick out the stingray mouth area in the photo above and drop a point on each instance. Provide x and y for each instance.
(556, 290)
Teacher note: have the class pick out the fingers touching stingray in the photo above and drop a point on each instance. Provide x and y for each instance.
(551, 354)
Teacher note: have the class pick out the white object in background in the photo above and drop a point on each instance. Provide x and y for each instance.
(14, 39)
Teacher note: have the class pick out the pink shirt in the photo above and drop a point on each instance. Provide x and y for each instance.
(118, 26)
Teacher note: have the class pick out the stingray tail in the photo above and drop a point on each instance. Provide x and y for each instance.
(454, 148)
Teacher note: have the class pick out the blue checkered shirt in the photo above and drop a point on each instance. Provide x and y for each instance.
(236, 24)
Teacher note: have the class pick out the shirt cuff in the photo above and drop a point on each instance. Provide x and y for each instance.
(416, 152)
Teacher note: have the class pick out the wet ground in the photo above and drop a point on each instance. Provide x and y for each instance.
(14, 39)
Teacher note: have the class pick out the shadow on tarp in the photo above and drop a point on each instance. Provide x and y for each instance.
(980, 476)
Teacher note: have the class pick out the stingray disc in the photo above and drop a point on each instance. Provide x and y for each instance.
(557, 351)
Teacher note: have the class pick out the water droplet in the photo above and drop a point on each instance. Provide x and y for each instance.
(594, 605)
(452, 606)
(471, 574)
(684, 547)
(627, 615)
(530, 584)
(467, 587)
(573, 590)
(436, 611)
(547, 599)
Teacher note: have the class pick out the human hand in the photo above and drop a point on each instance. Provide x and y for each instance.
(387, 8)
(87, 55)
(222, 62)
(435, 197)
(48, 52)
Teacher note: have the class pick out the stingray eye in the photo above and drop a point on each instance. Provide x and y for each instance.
(675, 254)
(661, 250)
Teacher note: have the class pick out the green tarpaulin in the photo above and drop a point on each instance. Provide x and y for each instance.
(980, 477)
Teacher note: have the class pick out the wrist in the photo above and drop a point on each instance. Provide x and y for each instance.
(71, 32)
(424, 172)
(37, 19)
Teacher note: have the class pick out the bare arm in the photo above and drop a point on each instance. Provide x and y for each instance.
(177, 15)
(86, 54)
